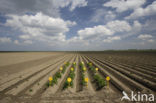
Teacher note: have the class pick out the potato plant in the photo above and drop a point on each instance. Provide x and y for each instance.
(58, 75)
(82, 70)
(65, 67)
(100, 82)
(71, 75)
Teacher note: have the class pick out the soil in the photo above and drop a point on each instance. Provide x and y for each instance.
(23, 76)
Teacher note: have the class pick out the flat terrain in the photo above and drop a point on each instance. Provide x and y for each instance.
(24, 76)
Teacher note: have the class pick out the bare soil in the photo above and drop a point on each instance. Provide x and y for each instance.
(24, 76)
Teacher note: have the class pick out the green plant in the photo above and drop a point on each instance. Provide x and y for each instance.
(72, 75)
(67, 64)
(47, 84)
(30, 90)
(64, 68)
(58, 75)
(54, 81)
(65, 85)
(81, 65)
(83, 77)
(99, 81)
(74, 65)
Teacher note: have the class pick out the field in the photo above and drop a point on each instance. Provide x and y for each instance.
(75, 77)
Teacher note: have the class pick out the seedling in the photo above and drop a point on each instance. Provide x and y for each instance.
(50, 81)
(64, 68)
(84, 69)
(72, 75)
(108, 79)
(30, 90)
(67, 64)
(61, 68)
(90, 64)
(71, 69)
(69, 81)
(96, 69)
(86, 81)
(99, 81)
(74, 64)
(58, 75)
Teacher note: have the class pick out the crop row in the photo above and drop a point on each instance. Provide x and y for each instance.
(71, 76)
(100, 81)
(54, 80)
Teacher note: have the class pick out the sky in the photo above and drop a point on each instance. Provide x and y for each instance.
(77, 25)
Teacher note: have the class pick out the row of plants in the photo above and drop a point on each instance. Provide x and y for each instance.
(100, 82)
(54, 80)
(70, 78)
(84, 80)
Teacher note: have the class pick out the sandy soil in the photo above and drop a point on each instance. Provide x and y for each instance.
(14, 57)
(23, 77)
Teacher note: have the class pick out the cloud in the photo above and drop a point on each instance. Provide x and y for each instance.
(102, 15)
(123, 5)
(94, 32)
(118, 26)
(139, 12)
(105, 30)
(145, 36)
(25, 42)
(16, 42)
(77, 3)
(150, 25)
(5, 40)
(48, 7)
(150, 40)
(24, 36)
(110, 39)
(39, 27)
(104, 33)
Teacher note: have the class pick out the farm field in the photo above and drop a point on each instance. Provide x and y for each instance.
(75, 77)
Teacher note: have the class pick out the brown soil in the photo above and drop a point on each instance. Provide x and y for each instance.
(23, 76)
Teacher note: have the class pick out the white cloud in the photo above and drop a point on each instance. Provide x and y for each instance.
(48, 7)
(102, 32)
(24, 36)
(102, 15)
(137, 26)
(77, 3)
(118, 26)
(16, 42)
(123, 5)
(139, 12)
(25, 42)
(145, 36)
(110, 39)
(96, 31)
(150, 25)
(151, 40)
(5, 40)
(40, 27)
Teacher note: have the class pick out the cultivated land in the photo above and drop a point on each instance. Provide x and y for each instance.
(24, 76)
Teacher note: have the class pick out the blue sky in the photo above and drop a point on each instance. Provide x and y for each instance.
(43, 25)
